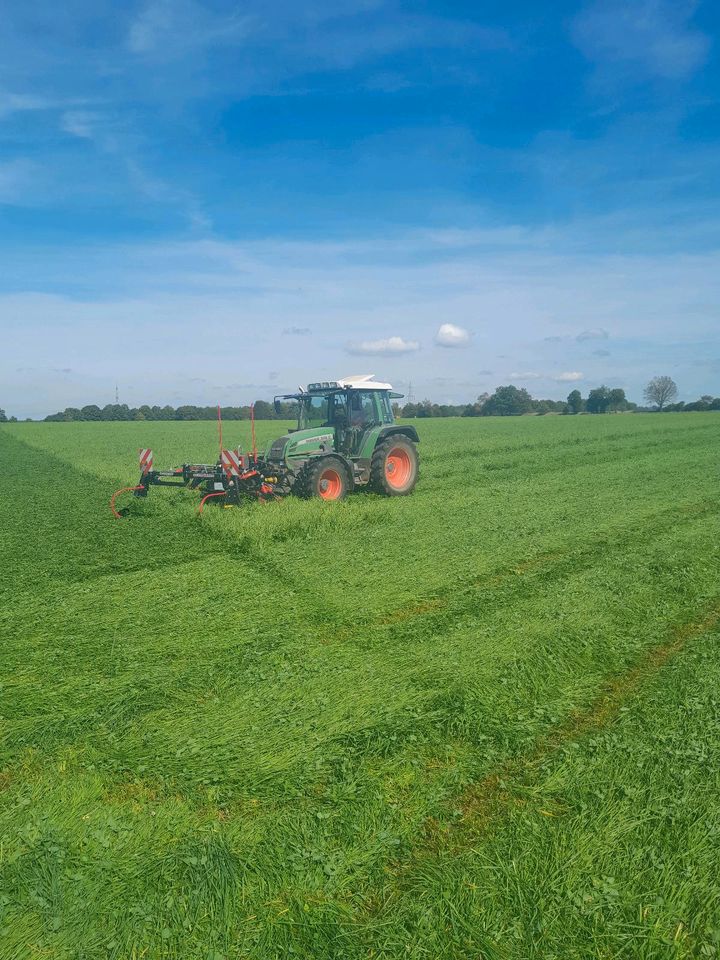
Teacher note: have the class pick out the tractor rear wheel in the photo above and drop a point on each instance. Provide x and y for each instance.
(326, 477)
(394, 468)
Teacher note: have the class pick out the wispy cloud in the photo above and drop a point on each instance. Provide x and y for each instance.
(79, 123)
(19, 102)
(297, 332)
(567, 376)
(16, 178)
(596, 333)
(12, 103)
(390, 346)
(170, 29)
(654, 38)
(161, 191)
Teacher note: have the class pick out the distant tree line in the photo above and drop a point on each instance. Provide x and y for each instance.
(706, 402)
(511, 401)
(121, 411)
(506, 401)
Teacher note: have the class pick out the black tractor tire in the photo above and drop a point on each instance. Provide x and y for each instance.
(324, 477)
(395, 467)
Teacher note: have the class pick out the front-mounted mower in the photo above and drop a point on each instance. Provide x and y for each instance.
(346, 439)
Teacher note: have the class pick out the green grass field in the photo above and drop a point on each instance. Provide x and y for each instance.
(479, 722)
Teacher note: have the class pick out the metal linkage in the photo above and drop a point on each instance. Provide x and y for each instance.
(235, 477)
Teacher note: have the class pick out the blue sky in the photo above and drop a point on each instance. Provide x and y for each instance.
(209, 201)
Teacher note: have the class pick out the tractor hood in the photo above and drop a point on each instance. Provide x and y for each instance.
(301, 444)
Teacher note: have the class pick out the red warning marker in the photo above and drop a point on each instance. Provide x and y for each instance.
(230, 462)
(146, 460)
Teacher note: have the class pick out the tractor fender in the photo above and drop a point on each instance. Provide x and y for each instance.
(406, 431)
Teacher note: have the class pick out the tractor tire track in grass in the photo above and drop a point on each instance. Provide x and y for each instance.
(486, 800)
(447, 607)
(571, 667)
(489, 469)
(482, 805)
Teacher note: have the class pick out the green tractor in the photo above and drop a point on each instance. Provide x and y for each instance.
(346, 438)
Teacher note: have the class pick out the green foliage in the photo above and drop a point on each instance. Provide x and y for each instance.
(617, 399)
(598, 400)
(121, 411)
(549, 406)
(373, 728)
(508, 401)
(575, 402)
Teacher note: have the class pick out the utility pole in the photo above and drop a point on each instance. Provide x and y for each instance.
(117, 395)
(411, 393)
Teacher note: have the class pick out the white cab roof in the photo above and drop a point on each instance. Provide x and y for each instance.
(363, 381)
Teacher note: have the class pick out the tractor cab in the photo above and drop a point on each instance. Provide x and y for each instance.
(349, 407)
(348, 425)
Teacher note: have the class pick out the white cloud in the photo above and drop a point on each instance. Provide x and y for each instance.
(650, 36)
(449, 335)
(568, 377)
(388, 347)
(527, 375)
(597, 334)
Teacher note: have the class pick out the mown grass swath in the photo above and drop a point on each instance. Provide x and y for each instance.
(420, 727)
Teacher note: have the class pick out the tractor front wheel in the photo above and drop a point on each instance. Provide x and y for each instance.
(394, 468)
(326, 477)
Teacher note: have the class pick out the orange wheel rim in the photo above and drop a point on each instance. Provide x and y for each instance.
(330, 485)
(398, 468)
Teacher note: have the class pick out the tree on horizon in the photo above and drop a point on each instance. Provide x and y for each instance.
(660, 391)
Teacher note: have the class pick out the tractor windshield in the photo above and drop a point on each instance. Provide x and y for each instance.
(313, 412)
(352, 408)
